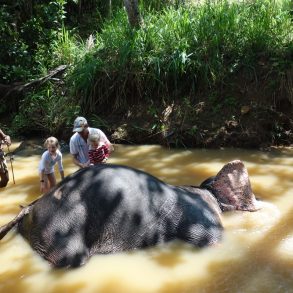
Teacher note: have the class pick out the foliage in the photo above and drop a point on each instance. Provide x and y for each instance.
(46, 111)
(66, 48)
(184, 49)
(31, 29)
(87, 16)
(26, 28)
(14, 56)
(179, 52)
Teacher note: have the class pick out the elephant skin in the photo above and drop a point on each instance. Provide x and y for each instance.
(110, 208)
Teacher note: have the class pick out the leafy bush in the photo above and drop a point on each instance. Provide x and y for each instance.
(178, 52)
(26, 28)
(47, 111)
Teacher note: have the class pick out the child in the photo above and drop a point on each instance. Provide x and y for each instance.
(46, 167)
(98, 151)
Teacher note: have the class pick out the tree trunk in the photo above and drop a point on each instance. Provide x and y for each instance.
(132, 10)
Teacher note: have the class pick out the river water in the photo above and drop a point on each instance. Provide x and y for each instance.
(256, 254)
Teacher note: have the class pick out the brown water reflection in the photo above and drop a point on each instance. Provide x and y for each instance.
(256, 254)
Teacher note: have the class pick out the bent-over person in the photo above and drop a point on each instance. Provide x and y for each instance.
(78, 144)
(4, 174)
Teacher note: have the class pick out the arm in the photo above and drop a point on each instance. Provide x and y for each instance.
(91, 157)
(78, 163)
(106, 141)
(5, 138)
(42, 181)
(2, 135)
(62, 174)
(106, 151)
(42, 173)
(60, 166)
(74, 150)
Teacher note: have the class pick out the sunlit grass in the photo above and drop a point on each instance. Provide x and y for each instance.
(181, 50)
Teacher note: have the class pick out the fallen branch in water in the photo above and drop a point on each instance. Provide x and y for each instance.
(24, 211)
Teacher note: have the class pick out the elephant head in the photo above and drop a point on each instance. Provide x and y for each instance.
(232, 189)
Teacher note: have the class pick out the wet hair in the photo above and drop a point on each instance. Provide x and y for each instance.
(95, 137)
(51, 141)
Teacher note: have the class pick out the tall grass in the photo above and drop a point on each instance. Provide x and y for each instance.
(66, 48)
(180, 51)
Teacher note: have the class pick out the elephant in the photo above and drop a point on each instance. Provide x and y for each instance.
(110, 208)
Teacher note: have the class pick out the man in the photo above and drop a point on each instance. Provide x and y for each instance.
(4, 175)
(79, 147)
(4, 139)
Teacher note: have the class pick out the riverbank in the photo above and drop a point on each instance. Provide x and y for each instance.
(250, 127)
(204, 81)
(244, 125)
(241, 115)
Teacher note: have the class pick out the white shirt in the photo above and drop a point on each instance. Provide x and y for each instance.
(47, 163)
(79, 147)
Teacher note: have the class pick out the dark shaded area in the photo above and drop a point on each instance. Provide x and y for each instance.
(206, 125)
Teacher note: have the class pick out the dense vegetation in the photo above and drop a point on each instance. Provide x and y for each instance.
(222, 58)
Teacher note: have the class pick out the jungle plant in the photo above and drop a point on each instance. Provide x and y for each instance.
(48, 110)
(179, 51)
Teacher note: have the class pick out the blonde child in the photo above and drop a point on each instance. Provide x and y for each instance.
(98, 151)
(46, 167)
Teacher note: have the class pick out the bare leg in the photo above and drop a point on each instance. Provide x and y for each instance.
(45, 187)
(51, 180)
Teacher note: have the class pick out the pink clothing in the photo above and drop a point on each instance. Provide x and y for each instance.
(99, 154)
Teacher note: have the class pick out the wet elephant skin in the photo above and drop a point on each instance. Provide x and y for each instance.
(110, 208)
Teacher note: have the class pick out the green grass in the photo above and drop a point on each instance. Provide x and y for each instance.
(178, 52)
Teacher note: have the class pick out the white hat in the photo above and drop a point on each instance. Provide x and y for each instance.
(79, 124)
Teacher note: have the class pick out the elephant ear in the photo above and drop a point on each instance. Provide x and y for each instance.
(231, 187)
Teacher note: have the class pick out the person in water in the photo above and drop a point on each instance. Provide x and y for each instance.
(99, 152)
(78, 144)
(4, 174)
(4, 139)
(50, 158)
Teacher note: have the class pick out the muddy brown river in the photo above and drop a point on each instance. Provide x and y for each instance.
(256, 254)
